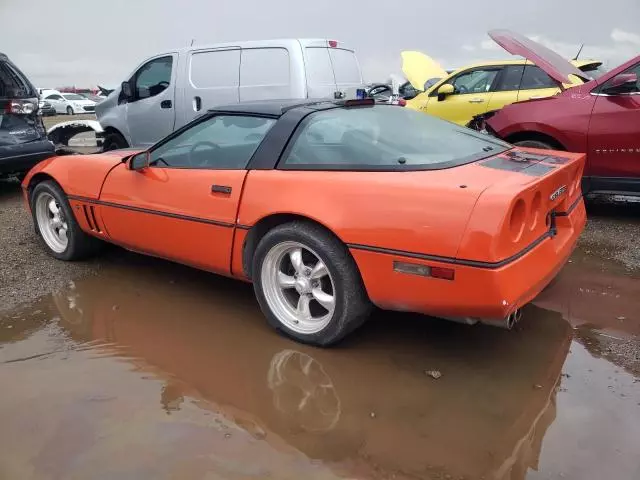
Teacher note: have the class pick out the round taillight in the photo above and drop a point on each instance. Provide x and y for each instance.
(517, 220)
(536, 210)
(402, 102)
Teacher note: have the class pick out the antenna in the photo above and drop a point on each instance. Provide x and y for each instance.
(579, 51)
(192, 40)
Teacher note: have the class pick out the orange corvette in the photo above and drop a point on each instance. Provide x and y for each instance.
(329, 208)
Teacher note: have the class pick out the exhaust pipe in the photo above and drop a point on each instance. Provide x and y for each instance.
(507, 323)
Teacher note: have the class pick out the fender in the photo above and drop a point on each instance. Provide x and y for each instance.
(79, 175)
(61, 133)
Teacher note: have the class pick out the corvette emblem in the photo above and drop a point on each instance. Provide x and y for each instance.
(555, 195)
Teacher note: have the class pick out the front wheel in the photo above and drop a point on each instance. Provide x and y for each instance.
(114, 141)
(308, 285)
(69, 111)
(56, 225)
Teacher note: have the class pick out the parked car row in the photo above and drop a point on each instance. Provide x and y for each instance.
(319, 263)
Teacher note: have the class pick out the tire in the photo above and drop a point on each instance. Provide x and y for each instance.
(535, 144)
(113, 141)
(321, 326)
(69, 111)
(78, 244)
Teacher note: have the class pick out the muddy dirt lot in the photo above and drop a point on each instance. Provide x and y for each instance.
(131, 367)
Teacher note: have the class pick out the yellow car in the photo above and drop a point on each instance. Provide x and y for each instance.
(479, 87)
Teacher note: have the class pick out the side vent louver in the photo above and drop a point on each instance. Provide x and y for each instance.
(90, 216)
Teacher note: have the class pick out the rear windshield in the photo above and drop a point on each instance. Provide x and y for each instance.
(384, 137)
(13, 84)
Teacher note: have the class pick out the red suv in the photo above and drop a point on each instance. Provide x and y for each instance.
(600, 118)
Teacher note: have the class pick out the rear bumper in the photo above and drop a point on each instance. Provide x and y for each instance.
(21, 158)
(482, 292)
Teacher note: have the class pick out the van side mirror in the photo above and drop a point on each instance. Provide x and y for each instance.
(444, 91)
(140, 161)
(622, 83)
(127, 90)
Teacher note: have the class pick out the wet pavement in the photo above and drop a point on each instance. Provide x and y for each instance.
(153, 370)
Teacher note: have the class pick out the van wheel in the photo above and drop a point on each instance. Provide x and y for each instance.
(308, 285)
(114, 141)
(69, 111)
(534, 144)
(56, 225)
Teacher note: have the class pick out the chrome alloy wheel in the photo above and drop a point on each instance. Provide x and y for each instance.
(298, 287)
(51, 222)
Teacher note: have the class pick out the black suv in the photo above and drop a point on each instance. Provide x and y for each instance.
(23, 139)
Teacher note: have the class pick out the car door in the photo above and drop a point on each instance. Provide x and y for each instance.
(614, 137)
(536, 84)
(473, 89)
(184, 205)
(57, 102)
(213, 79)
(150, 113)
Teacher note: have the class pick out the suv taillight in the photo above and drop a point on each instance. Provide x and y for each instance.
(22, 106)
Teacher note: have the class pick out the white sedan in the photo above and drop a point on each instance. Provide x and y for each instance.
(70, 103)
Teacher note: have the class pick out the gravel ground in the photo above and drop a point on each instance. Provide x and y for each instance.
(26, 271)
(613, 230)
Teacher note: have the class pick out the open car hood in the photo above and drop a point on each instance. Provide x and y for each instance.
(418, 68)
(552, 63)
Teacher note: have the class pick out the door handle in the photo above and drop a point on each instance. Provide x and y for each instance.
(165, 104)
(197, 104)
(476, 100)
(224, 189)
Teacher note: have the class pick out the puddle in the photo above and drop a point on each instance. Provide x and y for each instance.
(152, 370)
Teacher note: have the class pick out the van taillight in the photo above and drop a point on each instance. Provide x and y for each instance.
(25, 106)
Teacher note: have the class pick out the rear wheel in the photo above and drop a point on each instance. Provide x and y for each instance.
(114, 141)
(308, 285)
(535, 144)
(56, 225)
(69, 111)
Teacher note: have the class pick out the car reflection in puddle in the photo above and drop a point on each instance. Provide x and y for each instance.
(199, 349)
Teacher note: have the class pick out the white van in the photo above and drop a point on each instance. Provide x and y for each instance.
(169, 90)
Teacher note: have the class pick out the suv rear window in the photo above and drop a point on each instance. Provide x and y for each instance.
(13, 84)
(384, 137)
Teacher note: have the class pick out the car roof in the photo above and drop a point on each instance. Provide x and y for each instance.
(276, 108)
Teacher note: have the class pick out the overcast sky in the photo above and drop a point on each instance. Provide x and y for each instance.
(86, 42)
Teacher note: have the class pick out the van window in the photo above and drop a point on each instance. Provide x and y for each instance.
(214, 69)
(154, 77)
(345, 66)
(264, 66)
(319, 70)
(12, 83)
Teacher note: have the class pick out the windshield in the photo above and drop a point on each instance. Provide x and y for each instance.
(73, 96)
(385, 138)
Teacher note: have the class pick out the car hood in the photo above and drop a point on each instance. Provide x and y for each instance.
(552, 63)
(418, 68)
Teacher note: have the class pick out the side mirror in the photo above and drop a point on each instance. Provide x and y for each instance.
(444, 91)
(140, 161)
(127, 90)
(623, 83)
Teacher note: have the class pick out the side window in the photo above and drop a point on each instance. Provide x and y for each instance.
(153, 77)
(12, 83)
(215, 69)
(534, 77)
(254, 61)
(54, 97)
(224, 142)
(475, 81)
(511, 78)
